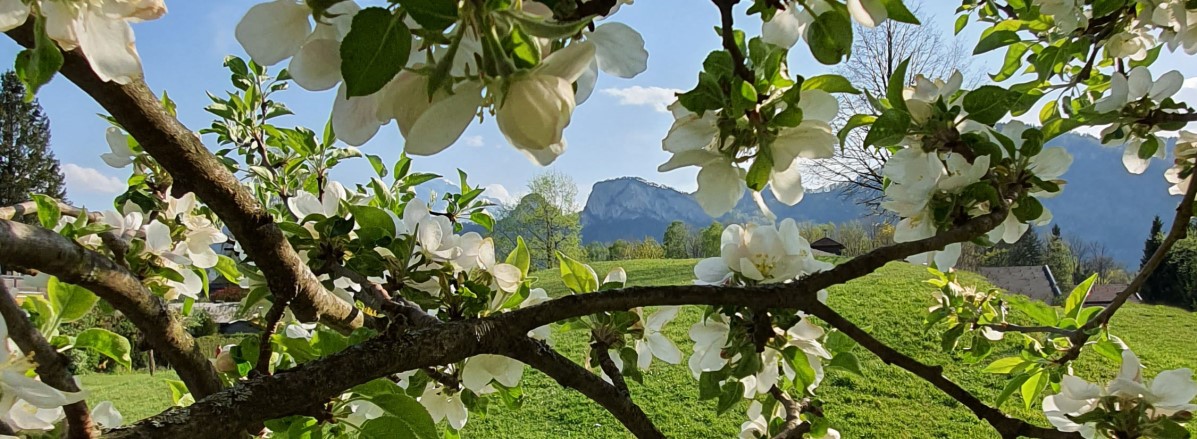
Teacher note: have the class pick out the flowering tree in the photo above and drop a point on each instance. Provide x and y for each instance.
(383, 318)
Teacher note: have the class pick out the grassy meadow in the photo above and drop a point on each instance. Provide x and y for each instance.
(885, 402)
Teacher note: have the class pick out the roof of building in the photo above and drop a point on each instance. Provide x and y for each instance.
(1032, 281)
(1104, 294)
(826, 242)
(225, 312)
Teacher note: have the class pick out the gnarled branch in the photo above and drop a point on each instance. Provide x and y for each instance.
(49, 252)
(52, 367)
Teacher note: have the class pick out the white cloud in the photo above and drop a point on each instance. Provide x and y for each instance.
(475, 141)
(657, 97)
(80, 179)
(499, 192)
(1190, 83)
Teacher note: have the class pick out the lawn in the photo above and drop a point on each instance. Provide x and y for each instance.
(885, 402)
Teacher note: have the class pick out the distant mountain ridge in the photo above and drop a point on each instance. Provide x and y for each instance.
(1101, 202)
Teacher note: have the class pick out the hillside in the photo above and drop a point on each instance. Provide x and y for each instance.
(1102, 202)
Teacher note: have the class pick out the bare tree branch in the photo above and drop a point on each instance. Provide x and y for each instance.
(49, 252)
(52, 367)
(793, 428)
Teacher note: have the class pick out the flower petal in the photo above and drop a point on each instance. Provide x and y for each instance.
(108, 44)
(355, 120)
(720, 187)
(619, 50)
(445, 120)
(317, 64)
(273, 31)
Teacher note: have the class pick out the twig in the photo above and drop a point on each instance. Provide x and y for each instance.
(727, 20)
(569, 374)
(1006, 426)
(114, 243)
(52, 367)
(603, 351)
(377, 297)
(266, 344)
(1180, 228)
(793, 428)
(1007, 327)
(445, 379)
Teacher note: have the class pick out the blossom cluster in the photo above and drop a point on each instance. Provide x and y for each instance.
(441, 89)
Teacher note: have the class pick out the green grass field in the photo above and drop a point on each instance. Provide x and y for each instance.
(885, 402)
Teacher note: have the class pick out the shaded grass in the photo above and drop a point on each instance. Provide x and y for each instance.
(885, 402)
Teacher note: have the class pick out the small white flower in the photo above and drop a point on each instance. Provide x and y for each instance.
(710, 336)
(539, 104)
(656, 344)
(442, 405)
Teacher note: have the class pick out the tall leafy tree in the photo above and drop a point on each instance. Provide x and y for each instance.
(710, 238)
(1060, 260)
(547, 218)
(676, 241)
(29, 165)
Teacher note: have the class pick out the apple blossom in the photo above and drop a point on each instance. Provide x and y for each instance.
(1136, 86)
(22, 398)
(538, 105)
(1068, 14)
(656, 344)
(443, 405)
(305, 203)
(100, 28)
(106, 415)
(759, 253)
(121, 154)
(1185, 153)
(710, 337)
(618, 51)
(479, 370)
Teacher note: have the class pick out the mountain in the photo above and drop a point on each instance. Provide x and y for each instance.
(1101, 202)
(632, 208)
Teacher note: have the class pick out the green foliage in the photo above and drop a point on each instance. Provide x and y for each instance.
(29, 163)
(710, 240)
(677, 241)
(375, 49)
(200, 324)
(547, 219)
(1060, 260)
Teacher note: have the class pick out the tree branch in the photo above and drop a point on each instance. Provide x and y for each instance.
(116, 244)
(1007, 426)
(793, 428)
(569, 374)
(52, 367)
(265, 345)
(1179, 229)
(1007, 327)
(195, 169)
(49, 252)
(603, 350)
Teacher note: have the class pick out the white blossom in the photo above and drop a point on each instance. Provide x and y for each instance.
(656, 344)
(759, 253)
(121, 155)
(539, 104)
(442, 405)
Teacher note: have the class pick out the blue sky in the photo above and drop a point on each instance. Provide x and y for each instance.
(616, 133)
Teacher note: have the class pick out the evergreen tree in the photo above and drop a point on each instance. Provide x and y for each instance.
(676, 240)
(29, 165)
(1028, 250)
(1060, 260)
(1154, 239)
(711, 240)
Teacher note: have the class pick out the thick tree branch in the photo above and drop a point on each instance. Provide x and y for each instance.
(1006, 327)
(116, 244)
(1180, 228)
(195, 169)
(49, 252)
(52, 367)
(287, 392)
(569, 374)
(1007, 426)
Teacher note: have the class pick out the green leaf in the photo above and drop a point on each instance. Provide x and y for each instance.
(951, 337)
(524, 49)
(1013, 61)
(830, 83)
(846, 361)
(732, 392)
(1029, 209)
(372, 217)
(1108, 349)
(708, 386)
(179, 395)
(898, 11)
(376, 162)
(838, 342)
(375, 50)
(987, 104)
(894, 93)
(483, 219)
(69, 302)
(227, 268)
(1005, 365)
(996, 39)
(48, 213)
(520, 257)
(1076, 299)
(830, 37)
(108, 343)
(579, 277)
(435, 15)
(1102, 8)
(888, 129)
(537, 26)
(1034, 385)
(36, 66)
(856, 121)
(758, 173)
(1011, 386)
(961, 22)
(406, 419)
